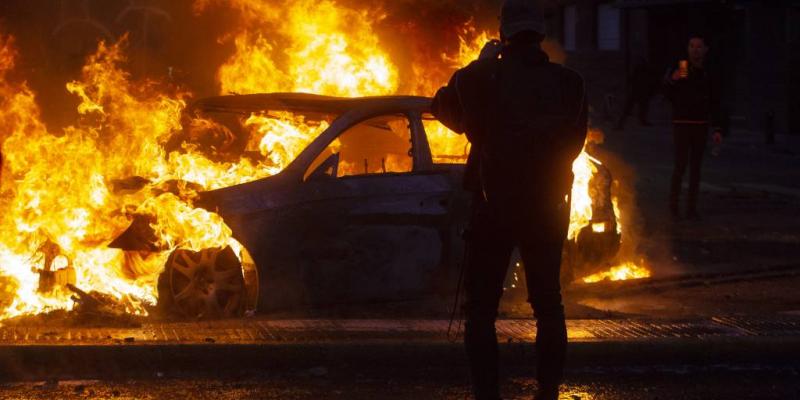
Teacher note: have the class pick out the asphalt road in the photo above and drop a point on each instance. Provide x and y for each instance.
(720, 382)
(750, 202)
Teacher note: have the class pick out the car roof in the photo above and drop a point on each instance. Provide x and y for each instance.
(306, 103)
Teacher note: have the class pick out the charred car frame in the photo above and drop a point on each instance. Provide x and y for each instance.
(342, 223)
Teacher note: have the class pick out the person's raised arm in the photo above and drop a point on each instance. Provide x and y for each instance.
(447, 106)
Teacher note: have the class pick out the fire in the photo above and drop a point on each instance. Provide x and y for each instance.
(323, 48)
(63, 200)
(625, 271)
(581, 213)
(585, 167)
(64, 196)
(283, 137)
(56, 203)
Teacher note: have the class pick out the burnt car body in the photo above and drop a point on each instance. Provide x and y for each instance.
(321, 238)
(330, 229)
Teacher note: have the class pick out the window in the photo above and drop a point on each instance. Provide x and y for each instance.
(608, 32)
(570, 26)
(379, 145)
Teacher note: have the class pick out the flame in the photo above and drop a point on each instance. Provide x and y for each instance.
(282, 136)
(55, 187)
(625, 271)
(581, 212)
(324, 48)
(61, 196)
(584, 168)
(59, 189)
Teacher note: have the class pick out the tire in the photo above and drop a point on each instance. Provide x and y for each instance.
(209, 284)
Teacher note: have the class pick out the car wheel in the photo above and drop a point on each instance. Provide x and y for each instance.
(208, 284)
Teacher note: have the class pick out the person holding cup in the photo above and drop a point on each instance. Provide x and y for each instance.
(694, 93)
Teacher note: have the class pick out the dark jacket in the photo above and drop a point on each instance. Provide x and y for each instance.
(526, 119)
(695, 100)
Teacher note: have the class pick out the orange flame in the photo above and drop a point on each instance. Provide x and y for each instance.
(324, 48)
(622, 272)
(58, 189)
(55, 186)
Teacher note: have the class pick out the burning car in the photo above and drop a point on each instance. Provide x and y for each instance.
(365, 212)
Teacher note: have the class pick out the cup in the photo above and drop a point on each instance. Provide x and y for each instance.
(683, 69)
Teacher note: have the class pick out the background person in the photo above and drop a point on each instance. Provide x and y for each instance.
(694, 93)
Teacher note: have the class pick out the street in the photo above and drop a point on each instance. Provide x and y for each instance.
(750, 208)
(717, 382)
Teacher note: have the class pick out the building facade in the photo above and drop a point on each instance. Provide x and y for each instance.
(755, 49)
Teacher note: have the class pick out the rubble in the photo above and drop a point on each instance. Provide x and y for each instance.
(99, 308)
(92, 309)
(57, 272)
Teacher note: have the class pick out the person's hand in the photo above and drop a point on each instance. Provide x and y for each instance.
(717, 137)
(676, 75)
(491, 50)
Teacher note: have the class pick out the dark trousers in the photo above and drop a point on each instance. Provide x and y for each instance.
(490, 243)
(690, 144)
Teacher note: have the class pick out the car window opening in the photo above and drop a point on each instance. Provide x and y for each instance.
(447, 147)
(380, 145)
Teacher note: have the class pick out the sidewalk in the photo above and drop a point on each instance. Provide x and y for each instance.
(257, 346)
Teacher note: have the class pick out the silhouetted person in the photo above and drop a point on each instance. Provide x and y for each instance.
(694, 93)
(526, 120)
(643, 83)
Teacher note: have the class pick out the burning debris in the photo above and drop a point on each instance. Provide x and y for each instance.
(96, 308)
(596, 231)
(57, 272)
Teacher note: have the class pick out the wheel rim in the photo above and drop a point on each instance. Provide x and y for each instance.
(206, 284)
